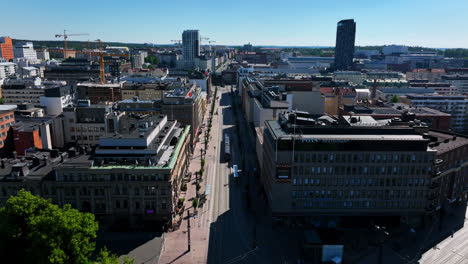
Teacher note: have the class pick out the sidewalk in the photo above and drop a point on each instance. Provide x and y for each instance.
(176, 242)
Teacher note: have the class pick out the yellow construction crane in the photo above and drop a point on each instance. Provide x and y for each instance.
(101, 54)
(65, 37)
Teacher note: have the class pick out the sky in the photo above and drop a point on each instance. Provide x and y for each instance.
(427, 23)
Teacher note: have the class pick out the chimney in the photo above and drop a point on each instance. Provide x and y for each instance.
(374, 90)
(15, 155)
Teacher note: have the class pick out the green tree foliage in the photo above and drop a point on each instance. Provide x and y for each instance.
(456, 53)
(33, 230)
(394, 99)
(195, 203)
(152, 59)
(106, 257)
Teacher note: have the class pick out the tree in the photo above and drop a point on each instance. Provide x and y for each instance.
(394, 99)
(33, 230)
(195, 203)
(106, 257)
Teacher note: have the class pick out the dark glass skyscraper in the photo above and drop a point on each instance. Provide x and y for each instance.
(344, 49)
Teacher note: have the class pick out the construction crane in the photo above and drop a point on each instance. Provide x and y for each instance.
(101, 54)
(65, 37)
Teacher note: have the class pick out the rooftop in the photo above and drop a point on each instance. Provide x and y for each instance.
(447, 141)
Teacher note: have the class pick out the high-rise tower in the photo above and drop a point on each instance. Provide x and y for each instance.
(344, 48)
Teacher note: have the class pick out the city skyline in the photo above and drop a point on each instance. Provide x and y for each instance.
(301, 23)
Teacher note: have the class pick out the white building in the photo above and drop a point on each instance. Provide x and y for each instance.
(7, 69)
(43, 55)
(25, 50)
(138, 60)
(55, 99)
(29, 72)
(349, 76)
(394, 49)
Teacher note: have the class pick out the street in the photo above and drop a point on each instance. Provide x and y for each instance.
(228, 227)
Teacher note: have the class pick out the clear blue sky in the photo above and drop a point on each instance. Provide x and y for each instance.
(429, 23)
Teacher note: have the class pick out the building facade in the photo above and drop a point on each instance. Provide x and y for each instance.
(6, 48)
(131, 179)
(344, 49)
(190, 45)
(455, 105)
(25, 50)
(350, 167)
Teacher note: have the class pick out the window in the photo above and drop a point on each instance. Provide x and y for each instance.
(72, 129)
(71, 120)
(306, 181)
(294, 181)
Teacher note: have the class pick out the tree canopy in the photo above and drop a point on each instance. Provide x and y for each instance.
(394, 99)
(33, 230)
(152, 59)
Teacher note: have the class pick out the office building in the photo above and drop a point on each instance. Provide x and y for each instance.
(434, 119)
(73, 71)
(7, 69)
(354, 77)
(97, 92)
(455, 105)
(452, 165)
(134, 176)
(344, 49)
(84, 123)
(247, 47)
(43, 55)
(7, 119)
(459, 81)
(138, 60)
(430, 75)
(25, 50)
(326, 170)
(190, 45)
(336, 97)
(394, 50)
(6, 48)
(146, 91)
(55, 99)
(440, 88)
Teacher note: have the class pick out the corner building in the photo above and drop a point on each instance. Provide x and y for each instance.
(328, 171)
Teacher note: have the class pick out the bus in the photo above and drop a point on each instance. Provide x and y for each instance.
(227, 148)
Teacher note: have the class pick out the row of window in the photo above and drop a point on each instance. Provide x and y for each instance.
(7, 125)
(152, 191)
(79, 137)
(6, 117)
(312, 157)
(113, 177)
(87, 129)
(360, 193)
(394, 181)
(359, 170)
(305, 204)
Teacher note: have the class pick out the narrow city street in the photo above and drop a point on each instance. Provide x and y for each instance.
(229, 227)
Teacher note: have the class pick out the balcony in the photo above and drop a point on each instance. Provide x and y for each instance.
(435, 185)
(438, 161)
